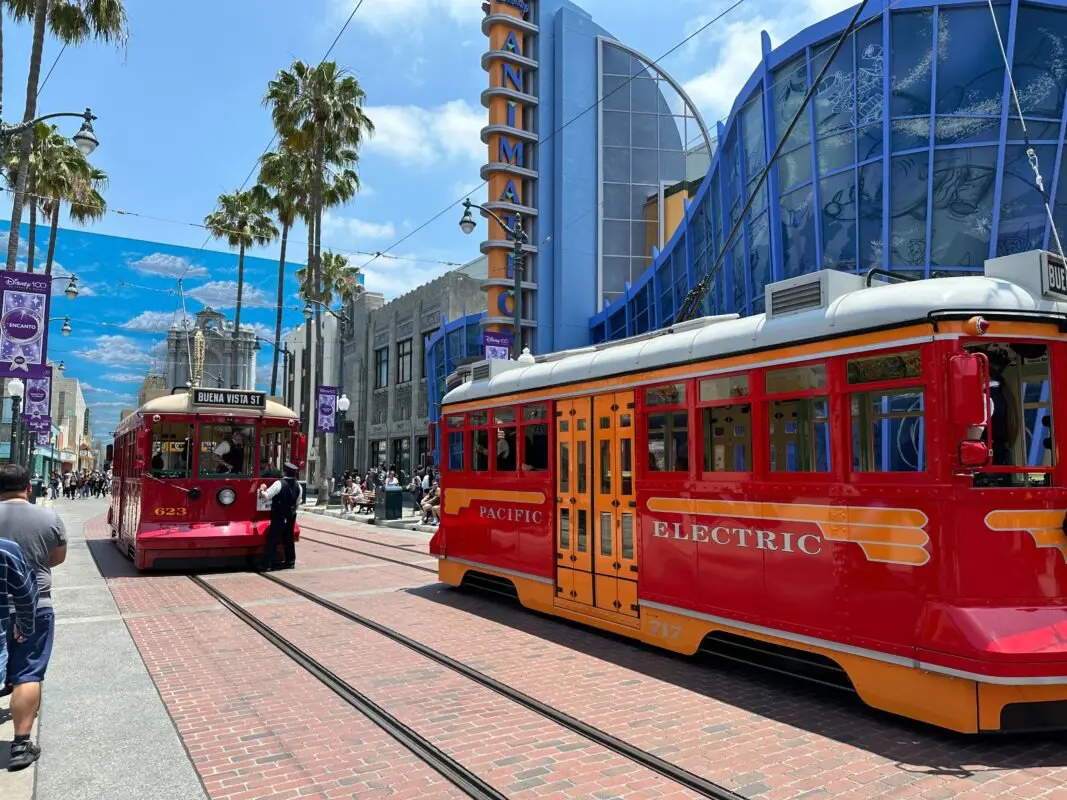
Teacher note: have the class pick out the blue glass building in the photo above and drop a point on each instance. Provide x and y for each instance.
(909, 158)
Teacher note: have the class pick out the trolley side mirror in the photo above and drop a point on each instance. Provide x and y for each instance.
(143, 443)
(969, 408)
(300, 449)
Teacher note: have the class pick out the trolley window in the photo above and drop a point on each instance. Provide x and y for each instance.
(892, 367)
(808, 378)
(505, 452)
(275, 445)
(668, 442)
(1021, 419)
(479, 440)
(226, 451)
(455, 442)
(888, 434)
(800, 435)
(535, 438)
(172, 450)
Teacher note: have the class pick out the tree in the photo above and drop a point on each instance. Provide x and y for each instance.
(59, 174)
(284, 173)
(288, 172)
(71, 22)
(243, 219)
(339, 280)
(315, 109)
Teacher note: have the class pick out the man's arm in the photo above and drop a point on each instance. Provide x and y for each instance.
(59, 543)
(273, 490)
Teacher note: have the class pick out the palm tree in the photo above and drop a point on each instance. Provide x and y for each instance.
(285, 172)
(59, 174)
(338, 278)
(70, 22)
(243, 220)
(315, 109)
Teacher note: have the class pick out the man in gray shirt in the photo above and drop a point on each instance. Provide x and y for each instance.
(42, 537)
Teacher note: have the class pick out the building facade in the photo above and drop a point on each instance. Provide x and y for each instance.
(219, 367)
(154, 385)
(592, 189)
(71, 416)
(386, 370)
(911, 158)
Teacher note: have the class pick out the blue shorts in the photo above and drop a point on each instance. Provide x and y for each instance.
(27, 661)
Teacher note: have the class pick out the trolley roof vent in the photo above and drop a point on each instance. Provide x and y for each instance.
(809, 292)
(486, 370)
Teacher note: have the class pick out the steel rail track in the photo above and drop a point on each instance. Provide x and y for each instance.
(689, 780)
(403, 547)
(458, 775)
(370, 555)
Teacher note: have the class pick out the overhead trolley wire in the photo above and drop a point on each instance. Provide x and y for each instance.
(560, 129)
(692, 301)
(1031, 153)
(274, 138)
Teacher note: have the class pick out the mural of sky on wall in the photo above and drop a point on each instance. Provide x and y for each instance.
(129, 300)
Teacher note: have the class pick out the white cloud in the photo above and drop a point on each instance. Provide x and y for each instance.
(223, 294)
(259, 329)
(419, 136)
(169, 266)
(121, 377)
(60, 286)
(88, 388)
(114, 351)
(113, 404)
(350, 228)
(389, 14)
(395, 276)
(736, 51)
(158, 351)
(152, 321)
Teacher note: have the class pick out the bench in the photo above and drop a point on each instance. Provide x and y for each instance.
(367, 506)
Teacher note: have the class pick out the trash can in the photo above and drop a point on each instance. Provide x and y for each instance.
(394, 503)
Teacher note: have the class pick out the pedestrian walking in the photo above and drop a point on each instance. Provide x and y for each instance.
(40, 533)
(284, 495)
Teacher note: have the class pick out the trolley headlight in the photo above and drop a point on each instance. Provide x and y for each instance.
(226, 496)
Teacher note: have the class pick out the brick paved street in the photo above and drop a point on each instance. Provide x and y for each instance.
(256, 725)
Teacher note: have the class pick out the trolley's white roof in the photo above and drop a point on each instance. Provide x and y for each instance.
(1011, 284)
(182, 403)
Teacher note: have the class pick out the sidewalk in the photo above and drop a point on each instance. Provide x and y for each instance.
(104, 730)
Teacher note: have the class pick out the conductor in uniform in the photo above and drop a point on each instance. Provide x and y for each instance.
(285, 495)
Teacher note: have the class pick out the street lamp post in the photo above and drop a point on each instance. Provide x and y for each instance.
(343, 322)
(342, 408)
(85, 139)
(15, 390)
(518, 258)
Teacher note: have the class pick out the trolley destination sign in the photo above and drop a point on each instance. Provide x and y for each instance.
(236, 398)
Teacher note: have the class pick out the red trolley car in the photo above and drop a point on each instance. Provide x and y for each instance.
(186, 470)
(863, 485)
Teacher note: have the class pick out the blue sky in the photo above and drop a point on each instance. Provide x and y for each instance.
(180, 121)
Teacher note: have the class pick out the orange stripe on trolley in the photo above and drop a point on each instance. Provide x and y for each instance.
(458, 499)
(1045, 526)
(889, 535)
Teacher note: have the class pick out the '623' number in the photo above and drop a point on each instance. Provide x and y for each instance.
(161, 511)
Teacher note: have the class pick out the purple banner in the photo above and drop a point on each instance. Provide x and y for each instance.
(24, 304)
(44, 439)
(496, 345)
(326, 410)
(38, 400)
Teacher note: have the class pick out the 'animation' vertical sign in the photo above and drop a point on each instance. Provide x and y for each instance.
(510, 170)
(24, 303)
